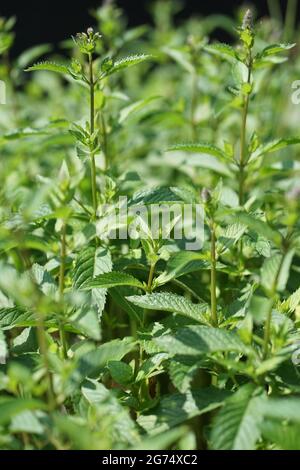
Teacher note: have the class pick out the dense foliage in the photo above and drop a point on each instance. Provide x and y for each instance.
(140, 343)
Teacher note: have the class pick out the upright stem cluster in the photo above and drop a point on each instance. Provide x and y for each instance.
(243, 143)
(213, 275)
(92, 130)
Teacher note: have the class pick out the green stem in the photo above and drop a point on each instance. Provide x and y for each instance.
(194, 106)
(63, 255)
(151, 276)
(92, 130)
(104, 142)
(242, 162)
(290, 20)
(213, 276)
(43, 347)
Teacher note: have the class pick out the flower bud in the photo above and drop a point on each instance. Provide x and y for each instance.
(206, 195)
(248, 20)
(90, 31)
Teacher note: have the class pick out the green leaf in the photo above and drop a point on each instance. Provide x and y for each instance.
(90, 263)
(222, 50)
(14, 406)
(274, 146)
(202, 148)
(274, 49)
(159, 195)
(86, 321)
(259, 226)
(161, 441)
(133, 108)
(93, 362)
(49, 66)
(151, 366)
(276, 271)
(236, 426)
(283, 409)
(125, 63)
(121, 372)
(121, 425)
(182, 373)
(119, 295)
(230, 236)
(178, 408)
(173, 303)
(201, 340)
(180, 57)
(291, 304)
(114, 279)
(3, 348)
(29, 422)
(284, 436)
(182, 263)
(16, 317)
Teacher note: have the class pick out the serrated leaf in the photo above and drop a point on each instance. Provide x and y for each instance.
(29, 422)
(178, 408)
(292, 302)
(259, 226)
(274, 146)
(182, 373)
(202, 148)
(93, 362)
(12, 407)
(276, 270)
(119, 296)
(125, 63)
(230, 236)
(182, 263)
(121, 372)
(236, 426)
(201, 340)
(49, 66)
(180, 57)
(274, 49)
(222, 50)
(173, 303)
(122, 426)
(158, 195)
(113, 279)
(90, 263)
(16, 317)
(284, 436)
(133, 108)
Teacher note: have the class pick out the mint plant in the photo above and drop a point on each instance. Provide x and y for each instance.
(115, 332)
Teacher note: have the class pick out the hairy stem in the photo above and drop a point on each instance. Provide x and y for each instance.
(43, 347)
(92, 130)
(213, 276)
(63, 255)
(290, 20)
(242, 162)
(151, 276)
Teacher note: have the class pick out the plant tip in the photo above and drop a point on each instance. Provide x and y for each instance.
(248, 20)
(206, 195)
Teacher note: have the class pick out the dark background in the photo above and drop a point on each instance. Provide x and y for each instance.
(42, 21)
